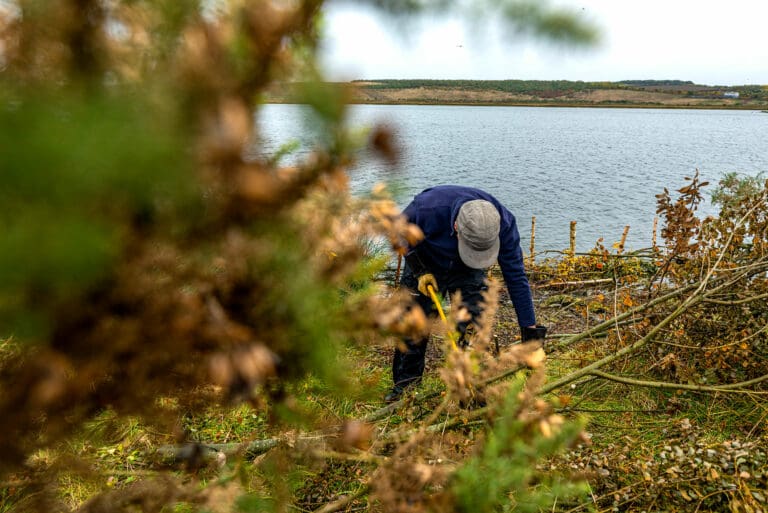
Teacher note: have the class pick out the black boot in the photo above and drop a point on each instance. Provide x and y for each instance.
(394, 395)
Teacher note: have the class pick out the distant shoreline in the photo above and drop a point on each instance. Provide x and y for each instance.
(570, 105)
(640, 94)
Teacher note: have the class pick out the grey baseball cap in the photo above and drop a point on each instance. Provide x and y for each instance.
(477, 226)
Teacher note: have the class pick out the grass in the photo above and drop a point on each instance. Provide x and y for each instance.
(241, 423)
(9, 348)
(627, 426)
(76, 489)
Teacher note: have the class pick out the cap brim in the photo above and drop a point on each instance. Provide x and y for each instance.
(478, 259)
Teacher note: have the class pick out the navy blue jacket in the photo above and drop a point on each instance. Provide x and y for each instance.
(434, 210)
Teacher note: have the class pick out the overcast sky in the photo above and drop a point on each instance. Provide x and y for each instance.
(709, 42)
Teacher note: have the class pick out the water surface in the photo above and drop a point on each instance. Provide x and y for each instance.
(599, 167)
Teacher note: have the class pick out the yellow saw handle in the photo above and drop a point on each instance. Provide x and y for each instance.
(449, 331)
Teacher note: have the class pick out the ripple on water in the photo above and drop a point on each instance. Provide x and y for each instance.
(599, 167)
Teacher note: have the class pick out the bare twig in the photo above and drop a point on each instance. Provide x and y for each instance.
(629, 313)
(734, 302)
(696, 297)
(720, 346)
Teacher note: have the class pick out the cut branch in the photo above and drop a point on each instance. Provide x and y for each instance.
(207, 452)
(697, 297)
(582, 283)
(731, 388)
(629, 313)
(344, 501)
(734, 302)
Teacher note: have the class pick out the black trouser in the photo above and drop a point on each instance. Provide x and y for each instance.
(408, 365)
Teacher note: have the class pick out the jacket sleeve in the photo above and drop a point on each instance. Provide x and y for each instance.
(411, 213)
(511, 263)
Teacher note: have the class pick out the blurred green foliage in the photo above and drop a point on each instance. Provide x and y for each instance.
(537, 18)
(77, 167)
(154, 259)
(504, 475)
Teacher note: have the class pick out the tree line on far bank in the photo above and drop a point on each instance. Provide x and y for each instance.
(547, 87)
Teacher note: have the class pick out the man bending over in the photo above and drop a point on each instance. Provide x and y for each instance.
(466, 230)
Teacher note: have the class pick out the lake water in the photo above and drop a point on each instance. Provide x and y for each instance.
(599, 167)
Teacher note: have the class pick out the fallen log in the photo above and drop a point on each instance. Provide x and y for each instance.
(207, 452)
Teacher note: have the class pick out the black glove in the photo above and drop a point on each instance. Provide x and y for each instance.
(536, 333)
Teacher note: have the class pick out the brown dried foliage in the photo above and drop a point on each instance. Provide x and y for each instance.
(681, 226)
(722, 339)
(187, 308)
